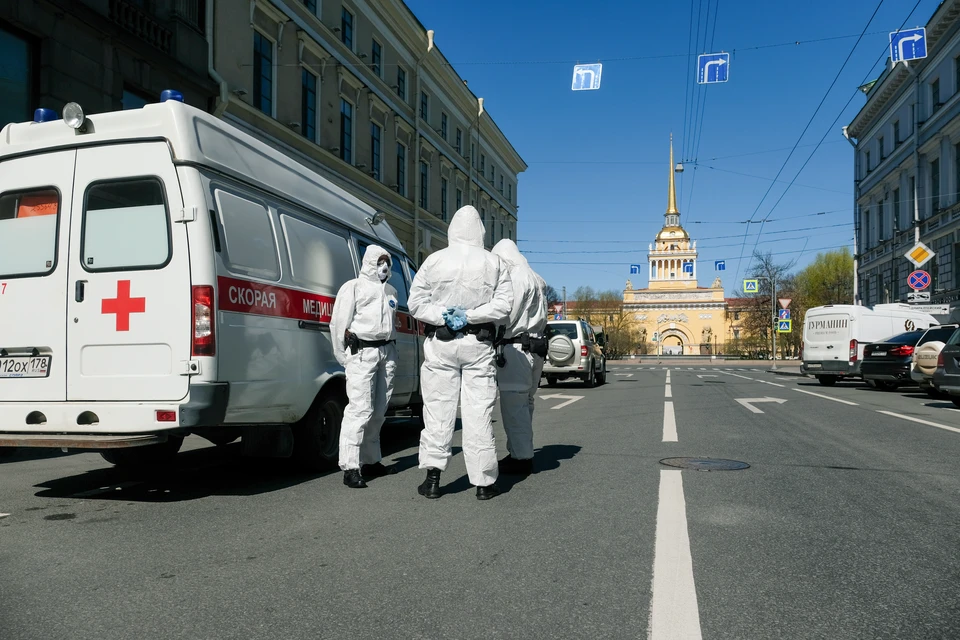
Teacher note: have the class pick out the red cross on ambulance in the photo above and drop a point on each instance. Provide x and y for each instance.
(123, 305)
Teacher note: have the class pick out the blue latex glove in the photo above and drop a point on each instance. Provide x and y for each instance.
(456, 318)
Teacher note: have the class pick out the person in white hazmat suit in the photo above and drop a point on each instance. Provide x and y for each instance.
(524, 348)
(460, 293)
(363, 333)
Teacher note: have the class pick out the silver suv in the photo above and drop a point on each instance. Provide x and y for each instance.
(573, 353)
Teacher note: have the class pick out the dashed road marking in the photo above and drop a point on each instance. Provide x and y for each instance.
(669, 423)
(667, 392)
(926, 422)
(820, 395)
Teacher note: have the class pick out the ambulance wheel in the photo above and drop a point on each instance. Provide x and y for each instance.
(827, 381)
(160, 454)
(316, 438)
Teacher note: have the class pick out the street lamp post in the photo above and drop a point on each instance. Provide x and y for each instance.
(773, 310)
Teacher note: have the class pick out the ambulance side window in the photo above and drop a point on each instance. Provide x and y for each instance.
(318, 258)
(125, 226)
(249, 243)
(28, 232)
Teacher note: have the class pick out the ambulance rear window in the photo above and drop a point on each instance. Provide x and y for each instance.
(28, 232)
(125, 226)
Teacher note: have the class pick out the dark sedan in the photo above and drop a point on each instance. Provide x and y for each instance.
(886, 364)
(947, 376)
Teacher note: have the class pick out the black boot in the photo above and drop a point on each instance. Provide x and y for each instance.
(376, 470)
(490, 491)
(511, 466)
(430, 488)
(353, 479)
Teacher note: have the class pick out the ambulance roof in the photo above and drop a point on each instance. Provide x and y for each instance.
(196, 137)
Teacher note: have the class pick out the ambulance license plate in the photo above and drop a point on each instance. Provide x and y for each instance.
(25, 367)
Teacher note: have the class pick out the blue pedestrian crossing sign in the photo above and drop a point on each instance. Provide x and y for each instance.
(720, 265)
(688, 267)
(558, 317)
(910, 44)
(751, 286)
(586, 77)
(783, 314)
(634, 269)
(784, 326)
(713, 67)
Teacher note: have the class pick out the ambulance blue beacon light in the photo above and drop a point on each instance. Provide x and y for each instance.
(170, 94)
(44, 115)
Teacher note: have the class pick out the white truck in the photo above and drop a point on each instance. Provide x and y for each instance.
(834, 336)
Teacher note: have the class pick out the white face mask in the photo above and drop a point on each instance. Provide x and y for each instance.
(383, 271)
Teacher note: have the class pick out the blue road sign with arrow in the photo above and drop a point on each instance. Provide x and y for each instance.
(713, 67)
(586, 77)
(720, 265)
(634, 269)
(783, 314)
(910, 44)
(688, 267)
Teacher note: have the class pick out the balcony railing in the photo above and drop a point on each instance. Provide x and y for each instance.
(135, 20)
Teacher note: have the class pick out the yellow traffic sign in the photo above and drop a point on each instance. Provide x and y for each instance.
(919, 254)
(784, 326)
(751, 286)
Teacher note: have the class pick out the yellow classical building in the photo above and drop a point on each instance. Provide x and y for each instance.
(673, 312)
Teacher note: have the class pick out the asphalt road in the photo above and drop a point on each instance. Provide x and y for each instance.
(845, 525)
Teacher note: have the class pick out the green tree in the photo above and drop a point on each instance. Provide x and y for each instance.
(828, 279)
(606, 309)
(552, 296)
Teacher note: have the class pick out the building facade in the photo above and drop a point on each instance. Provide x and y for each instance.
(105, 55)
(358, 91)
(673, 312)
(907, 169)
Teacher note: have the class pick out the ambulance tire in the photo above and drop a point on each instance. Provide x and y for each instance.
(316, 437)
(152, 455)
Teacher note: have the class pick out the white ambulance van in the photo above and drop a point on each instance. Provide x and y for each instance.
(163, 273)
(834, 336)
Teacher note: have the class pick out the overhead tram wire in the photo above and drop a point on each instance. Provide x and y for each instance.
(565, 262)
(699, 129)
(805, 129)
(688, 89)
(835, 120)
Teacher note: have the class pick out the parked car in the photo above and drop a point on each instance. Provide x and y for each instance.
(947, 376)
(574, 352)
(834, 336)
(926, 355)
(886, 364)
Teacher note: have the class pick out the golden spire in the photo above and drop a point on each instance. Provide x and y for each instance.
(672, 197)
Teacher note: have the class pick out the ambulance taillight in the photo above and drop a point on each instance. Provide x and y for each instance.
(204, 338)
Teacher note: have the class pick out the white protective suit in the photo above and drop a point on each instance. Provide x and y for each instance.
(519, 378)
(367, 308)
(462, 275)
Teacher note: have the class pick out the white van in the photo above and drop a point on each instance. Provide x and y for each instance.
(163, 273)
(834, 336)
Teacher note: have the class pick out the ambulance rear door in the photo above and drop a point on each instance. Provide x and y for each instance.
(35, 199)
(129, 322)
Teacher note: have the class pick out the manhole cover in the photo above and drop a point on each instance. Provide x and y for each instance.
(705, 464)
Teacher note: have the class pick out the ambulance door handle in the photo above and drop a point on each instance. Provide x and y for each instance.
(79, 290)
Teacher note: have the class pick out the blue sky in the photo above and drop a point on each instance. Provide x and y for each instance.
(598, 160)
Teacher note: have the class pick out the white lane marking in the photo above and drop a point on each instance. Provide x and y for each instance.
(4, 515)
(569, 399)
(706, 375)
(926, 422)
(820, 395)
(749, 402)
(625, 375)
(735, 375)
(703, 368)
(668, 393)
(665, 369)
(757, 370)
(773, 383)
(669, 423)
(673, 607)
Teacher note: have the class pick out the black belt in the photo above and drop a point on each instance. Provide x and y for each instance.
(485, 332)
(528, 343)
(375, 343)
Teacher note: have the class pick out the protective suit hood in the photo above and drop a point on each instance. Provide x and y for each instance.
(368, 266)
(466, 228)
(509, 252)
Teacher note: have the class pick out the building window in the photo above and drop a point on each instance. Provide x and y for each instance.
(934, 186)
(501, 231)
(473, 155)
(346, 131)
(880, 146)
(510, 234)
(401, 169)
(263, 73)
(346, 28)
(311, 6)
(424, 184)
(401, 83)
(424, 105)
(483, 163)
(443, 125)
(376, 62)
(935, 96)
(896, 211)
(501, 184)
(443, 199)
(459, 144)
(510, 192)
(308, 105)
(375, 150)
(736, 317)
(896, 134)
(880, 221)
(459, 200)
(866, 157)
